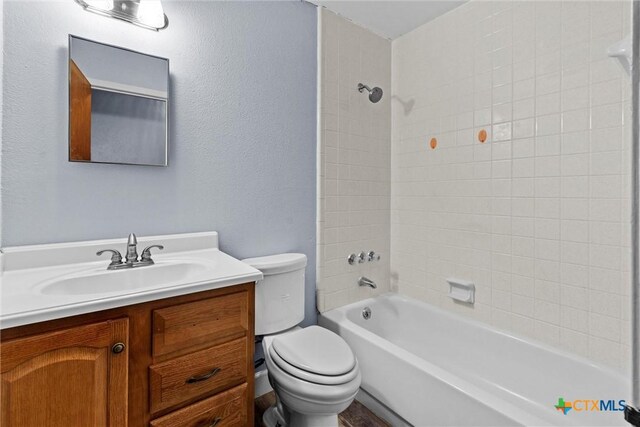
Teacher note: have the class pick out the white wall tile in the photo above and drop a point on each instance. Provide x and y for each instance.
(541, 207)
(355, 137)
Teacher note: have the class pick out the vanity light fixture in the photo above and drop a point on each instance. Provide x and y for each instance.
(143, 13)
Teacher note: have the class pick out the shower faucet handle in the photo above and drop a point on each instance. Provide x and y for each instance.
(361, 257)
(372, 256)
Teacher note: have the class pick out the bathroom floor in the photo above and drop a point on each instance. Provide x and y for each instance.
(356, 415)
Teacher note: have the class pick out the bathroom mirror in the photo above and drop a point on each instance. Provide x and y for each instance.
(118, 105)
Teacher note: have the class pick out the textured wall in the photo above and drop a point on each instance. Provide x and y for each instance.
(242, 130)
(537, 216)
(1, 107)
(355, 138)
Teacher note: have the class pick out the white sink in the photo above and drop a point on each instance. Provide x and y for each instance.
(129, 279)
(45, 282)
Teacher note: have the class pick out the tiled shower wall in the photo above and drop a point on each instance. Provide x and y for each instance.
(354, 155)
(538, 215)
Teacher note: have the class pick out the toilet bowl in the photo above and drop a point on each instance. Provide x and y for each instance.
(312, 370)
(314, 375)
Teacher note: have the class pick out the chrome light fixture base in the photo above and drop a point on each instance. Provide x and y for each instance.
(143, 13)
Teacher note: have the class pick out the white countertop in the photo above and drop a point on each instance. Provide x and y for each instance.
(27, 270)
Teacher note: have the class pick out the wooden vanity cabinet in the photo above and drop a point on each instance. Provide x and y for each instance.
(69, 377)
(183, 361)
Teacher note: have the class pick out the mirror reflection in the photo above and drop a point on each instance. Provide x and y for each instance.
(118, 105)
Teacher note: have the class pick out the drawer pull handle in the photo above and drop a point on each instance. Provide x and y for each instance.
(198, 378)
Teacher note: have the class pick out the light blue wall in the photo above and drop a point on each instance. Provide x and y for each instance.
(242, 130)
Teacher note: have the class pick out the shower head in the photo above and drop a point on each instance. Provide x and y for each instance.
(375, 94)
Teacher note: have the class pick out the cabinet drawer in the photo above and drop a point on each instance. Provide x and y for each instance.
(204, 372)
(212, 320)
(226, 409)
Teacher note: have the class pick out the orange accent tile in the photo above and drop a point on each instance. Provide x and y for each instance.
(433, 143)
(482, 136)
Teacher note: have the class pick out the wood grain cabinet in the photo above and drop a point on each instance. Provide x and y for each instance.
(75, 376)
(183, 361)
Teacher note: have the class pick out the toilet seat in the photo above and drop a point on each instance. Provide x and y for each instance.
(311, 377)
(316, 355)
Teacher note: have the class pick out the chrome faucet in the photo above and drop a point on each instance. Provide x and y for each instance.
(131, 260)
(363, 281)
(132, 250)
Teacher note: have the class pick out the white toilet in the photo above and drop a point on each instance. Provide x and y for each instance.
(312, 370)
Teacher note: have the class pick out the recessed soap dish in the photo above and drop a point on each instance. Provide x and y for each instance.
(462, 290)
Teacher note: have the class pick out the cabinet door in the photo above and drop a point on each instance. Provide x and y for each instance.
(71, 377)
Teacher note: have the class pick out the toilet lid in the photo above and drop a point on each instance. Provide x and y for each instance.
(310, 377)
(315, 350)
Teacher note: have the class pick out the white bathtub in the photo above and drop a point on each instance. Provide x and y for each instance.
(435, 368)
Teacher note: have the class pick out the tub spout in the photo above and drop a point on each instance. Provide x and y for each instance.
(363, 281)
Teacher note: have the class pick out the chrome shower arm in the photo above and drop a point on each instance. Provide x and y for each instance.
(361, 87)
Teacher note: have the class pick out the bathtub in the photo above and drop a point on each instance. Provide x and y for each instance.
(430, 367)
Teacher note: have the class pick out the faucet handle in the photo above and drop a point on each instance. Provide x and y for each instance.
(146, 253)
(372, 256)
(116, 257)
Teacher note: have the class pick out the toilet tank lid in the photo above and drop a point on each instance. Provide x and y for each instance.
(276, 264)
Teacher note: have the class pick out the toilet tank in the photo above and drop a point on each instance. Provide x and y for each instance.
(279, 301)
